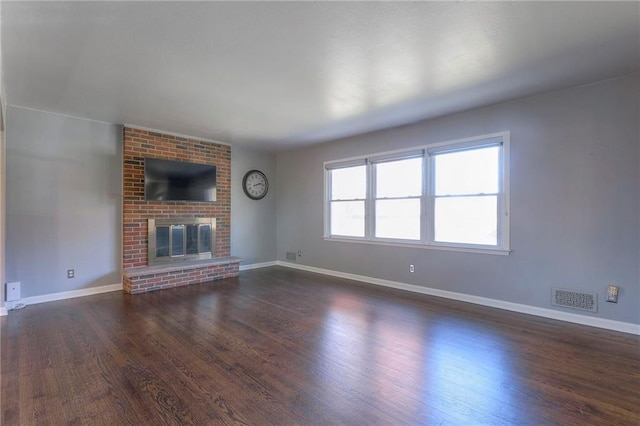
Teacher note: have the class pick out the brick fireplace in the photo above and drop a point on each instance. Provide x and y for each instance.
(138, 275)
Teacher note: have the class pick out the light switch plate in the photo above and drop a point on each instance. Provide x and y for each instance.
(13, 291)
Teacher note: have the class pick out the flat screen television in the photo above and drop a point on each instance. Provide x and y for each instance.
(168, 180)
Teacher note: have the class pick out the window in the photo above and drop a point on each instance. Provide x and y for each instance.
(466, 196)
(347, 200)
(452, 195)
(397, 198)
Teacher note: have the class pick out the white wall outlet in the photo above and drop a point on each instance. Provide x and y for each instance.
(13, 291)
(71, 273)
(412, 269)
(299, 253)
(612, 293)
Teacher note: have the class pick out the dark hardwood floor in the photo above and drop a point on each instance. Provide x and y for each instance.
(279, 346)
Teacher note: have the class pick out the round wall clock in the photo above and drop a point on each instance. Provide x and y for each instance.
(255, 184)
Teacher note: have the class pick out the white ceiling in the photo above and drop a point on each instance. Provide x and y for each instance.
(279, 74)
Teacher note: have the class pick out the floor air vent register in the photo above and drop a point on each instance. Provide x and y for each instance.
(574, 299)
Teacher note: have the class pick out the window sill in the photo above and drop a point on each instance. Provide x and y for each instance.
(418, 245)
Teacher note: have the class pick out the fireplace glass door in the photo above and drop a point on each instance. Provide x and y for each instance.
(173, 240)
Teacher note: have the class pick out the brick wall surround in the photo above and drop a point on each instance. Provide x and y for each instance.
(138, 144)
(159, 281)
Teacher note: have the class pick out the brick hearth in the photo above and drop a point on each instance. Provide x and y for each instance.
(140, 280)
(137, 275)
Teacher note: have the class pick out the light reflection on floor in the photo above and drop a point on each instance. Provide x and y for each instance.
(400, 359)
(469, 372)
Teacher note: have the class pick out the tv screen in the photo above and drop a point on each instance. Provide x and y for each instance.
(167, 180)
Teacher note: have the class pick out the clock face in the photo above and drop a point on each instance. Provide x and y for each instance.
(255, 184)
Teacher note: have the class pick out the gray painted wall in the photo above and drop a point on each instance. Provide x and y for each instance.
(575, 203)
(63, 202)
(253, 222)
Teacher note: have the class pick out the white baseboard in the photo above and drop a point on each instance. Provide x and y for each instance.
(3, 311)
(625, 327)
(257, 265)
(63, 295)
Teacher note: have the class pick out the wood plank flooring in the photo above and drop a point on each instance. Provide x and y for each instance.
(281, 347)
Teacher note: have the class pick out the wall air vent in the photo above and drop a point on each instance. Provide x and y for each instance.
(574, 299)
(291, 256)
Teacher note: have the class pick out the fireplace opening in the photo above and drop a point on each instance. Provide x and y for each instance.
(180, 239)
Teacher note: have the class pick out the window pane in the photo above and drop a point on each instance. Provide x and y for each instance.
(467, 172)
(398, 219)
(347, 218)
(401, 178)
(348, 183)
(471, 220)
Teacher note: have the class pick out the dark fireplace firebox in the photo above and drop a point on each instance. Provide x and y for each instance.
(181, 239)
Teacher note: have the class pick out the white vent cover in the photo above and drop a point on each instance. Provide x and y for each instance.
(574, 299)
(291, 256)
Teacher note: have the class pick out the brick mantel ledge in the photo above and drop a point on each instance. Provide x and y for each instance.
(179, 266)
(148, 278)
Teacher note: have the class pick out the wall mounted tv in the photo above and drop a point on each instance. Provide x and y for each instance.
(167, 180)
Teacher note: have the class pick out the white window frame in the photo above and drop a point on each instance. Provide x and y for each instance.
(328, 196)
(427, 199)
(374, 161)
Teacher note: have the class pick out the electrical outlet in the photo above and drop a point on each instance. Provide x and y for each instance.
(71, 273)
(412, 269)
(612, 294)
(300, 253)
